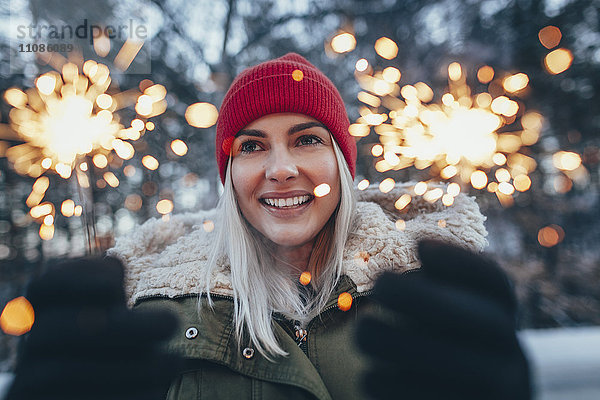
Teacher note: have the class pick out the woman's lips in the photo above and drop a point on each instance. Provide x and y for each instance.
(282, 202)
(287, 211)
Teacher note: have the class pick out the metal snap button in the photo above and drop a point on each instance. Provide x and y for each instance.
(248, 352)
(191, 332)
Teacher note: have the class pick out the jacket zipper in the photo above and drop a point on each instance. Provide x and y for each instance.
(182, 296)
(301, 334)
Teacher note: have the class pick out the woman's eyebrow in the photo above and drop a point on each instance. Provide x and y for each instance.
(251, 132)
(294, 129)
(305, 125)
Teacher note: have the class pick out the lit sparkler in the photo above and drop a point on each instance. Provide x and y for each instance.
(475, 139)
(67, 122)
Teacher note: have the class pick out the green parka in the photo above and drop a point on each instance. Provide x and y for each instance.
(164, 269)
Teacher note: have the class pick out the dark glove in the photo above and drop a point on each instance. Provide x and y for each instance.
(85, 343)
(448, 331)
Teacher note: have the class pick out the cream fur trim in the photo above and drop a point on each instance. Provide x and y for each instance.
(167, 258)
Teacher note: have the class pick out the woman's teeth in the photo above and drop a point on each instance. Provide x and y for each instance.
(289, 202)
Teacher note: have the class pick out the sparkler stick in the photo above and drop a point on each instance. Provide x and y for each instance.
(83, 188)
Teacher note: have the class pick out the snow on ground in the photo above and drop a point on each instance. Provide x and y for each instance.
(565, 362)
(5, 380)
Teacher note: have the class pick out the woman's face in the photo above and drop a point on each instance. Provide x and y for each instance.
(278, 160)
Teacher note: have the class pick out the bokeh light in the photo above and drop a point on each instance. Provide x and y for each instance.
(104, 101)
(46, 232)
(454, 71)
(362, 185)
(550, 235)
(150, 162)
(377, 150)
(67, 208)
(305, 278)
(164, 206)
(208, 226)
(420, 188)
(516, 82)
(522, 183)
(201, 115)
(400, 224)
(387, 185)
(344, 301)
(111, 179)
(100, 161)
(343, 42)
(17, 317)
(362, 65)
(297, 75)
(478, 179)
(550, 36)
(447, 199)
(133, 202)
(566, 160)
(485, 74)
(558, 61)
(179, 147)
(403, 201)
(391, 74)
(322, 190)
(359, 130)
(386, 48)
(129, 170)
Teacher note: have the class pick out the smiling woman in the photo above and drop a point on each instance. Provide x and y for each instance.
(277, 162)
(271, 297)
(281, 150)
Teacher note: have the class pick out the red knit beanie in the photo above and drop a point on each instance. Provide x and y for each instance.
(285, 84)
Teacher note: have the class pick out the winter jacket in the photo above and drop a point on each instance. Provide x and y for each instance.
(164, 263)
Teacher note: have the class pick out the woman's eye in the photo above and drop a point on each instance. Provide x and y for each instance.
(309, 140)
(249, 147)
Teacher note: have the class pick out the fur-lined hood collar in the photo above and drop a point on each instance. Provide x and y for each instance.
(168, 258)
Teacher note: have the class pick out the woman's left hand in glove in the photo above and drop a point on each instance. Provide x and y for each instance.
(449, 331)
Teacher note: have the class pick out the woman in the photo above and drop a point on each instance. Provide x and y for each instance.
(281, 133)
(268, 300)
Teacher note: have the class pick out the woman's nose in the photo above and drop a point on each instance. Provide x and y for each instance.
(281, 167)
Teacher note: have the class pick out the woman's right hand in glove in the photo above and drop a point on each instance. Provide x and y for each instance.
(86, 344)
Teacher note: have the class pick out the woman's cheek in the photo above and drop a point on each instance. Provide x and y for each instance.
(329, 169)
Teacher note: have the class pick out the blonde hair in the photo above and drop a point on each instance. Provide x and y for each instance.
(259, 290)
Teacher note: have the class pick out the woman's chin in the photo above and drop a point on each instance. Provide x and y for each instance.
(289, 239)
